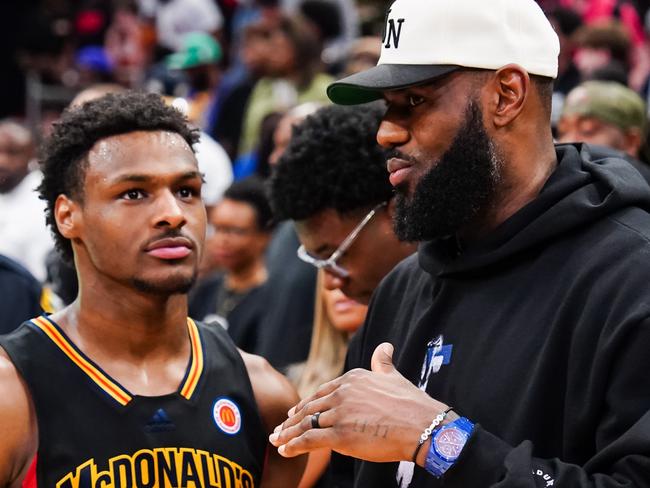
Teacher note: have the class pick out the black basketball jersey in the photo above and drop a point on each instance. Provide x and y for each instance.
(94, 433)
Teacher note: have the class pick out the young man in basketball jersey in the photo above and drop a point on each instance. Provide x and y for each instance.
(121, 388)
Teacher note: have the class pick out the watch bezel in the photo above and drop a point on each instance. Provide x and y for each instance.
(437, 436)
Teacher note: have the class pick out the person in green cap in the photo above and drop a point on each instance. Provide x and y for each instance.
(199, 58)
(604, 113)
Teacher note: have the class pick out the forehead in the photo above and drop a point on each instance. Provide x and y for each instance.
(589, 121)
(285, 126)
(233, 210)
(141, 152)
(325, 230)
(460, 82)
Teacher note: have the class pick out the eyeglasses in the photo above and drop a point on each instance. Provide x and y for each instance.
(330, 264)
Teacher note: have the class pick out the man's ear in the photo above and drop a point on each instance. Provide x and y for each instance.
(67, 214)
(511, 90)
(633, 139)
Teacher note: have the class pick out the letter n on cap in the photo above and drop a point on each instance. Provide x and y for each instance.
(392, 33)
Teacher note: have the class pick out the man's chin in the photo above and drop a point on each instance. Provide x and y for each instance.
(173, 285)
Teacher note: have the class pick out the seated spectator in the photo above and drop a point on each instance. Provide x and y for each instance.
(606, 114)
(242, 223)
(336, 319)
(25, 237)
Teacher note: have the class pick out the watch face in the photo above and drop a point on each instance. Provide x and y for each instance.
(449, 442)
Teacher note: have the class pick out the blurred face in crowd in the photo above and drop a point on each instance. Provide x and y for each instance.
(344, 314)
(280, 53)
(237, 242)
(370, 257)
(140, 221)
(579, 128)
(364, 54)
(282, 137)
(253, 53)
(16, 151)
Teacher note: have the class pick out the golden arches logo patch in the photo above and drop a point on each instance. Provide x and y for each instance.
(227, 416)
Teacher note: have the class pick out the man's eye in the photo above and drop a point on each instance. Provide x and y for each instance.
(186, 192)
(414, 100)
(133, 195)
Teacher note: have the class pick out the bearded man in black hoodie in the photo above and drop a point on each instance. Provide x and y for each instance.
(512, 351)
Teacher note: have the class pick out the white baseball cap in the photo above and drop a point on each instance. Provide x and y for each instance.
(425, 39)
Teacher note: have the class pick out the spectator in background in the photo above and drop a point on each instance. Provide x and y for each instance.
(242, 224)
(21, 295)
(175, 18)
(565, 22)
(336, 319)
(291, 286)
(294, 75)
(363, 54)
(284, 128)
(257, 161)
(25, 237)
(607, 114)
(198, 59)
(129, 44)
(331, 181)
(227, 115)
(338, 22)
(601, 46)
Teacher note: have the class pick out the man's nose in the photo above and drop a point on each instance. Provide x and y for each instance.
(169, 212)
(391, 134)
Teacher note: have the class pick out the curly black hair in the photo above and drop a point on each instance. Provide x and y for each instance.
(252, 191)
(63, 159)
(333, 161)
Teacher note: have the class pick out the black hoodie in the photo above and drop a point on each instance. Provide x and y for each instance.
(545, 336)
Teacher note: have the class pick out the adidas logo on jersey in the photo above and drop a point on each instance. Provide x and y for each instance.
(160, 422)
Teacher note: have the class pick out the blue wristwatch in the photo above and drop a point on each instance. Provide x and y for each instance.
(446, 445)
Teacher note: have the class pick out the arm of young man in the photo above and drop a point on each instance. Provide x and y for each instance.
(18, 428)
(275, 396)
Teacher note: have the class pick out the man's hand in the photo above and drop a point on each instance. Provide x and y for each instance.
(375, 415)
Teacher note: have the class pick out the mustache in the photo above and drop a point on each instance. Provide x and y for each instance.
(397, 154)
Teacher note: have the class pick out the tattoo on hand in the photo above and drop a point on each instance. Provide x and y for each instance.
(380, 430)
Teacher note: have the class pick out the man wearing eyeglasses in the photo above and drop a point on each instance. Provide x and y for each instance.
(512, 351)
(331, 181)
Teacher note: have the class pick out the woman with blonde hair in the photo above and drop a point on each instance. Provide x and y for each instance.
(336, 319)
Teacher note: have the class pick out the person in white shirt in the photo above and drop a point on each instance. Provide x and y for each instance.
(25, 237)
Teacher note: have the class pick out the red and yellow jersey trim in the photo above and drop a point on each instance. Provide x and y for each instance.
(196, 363)
(103, 381)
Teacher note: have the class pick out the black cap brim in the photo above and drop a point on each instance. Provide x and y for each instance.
(368, 85)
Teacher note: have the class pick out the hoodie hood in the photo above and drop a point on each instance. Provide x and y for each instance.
(587, 185)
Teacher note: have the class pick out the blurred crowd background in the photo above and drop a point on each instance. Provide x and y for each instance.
(245, 72)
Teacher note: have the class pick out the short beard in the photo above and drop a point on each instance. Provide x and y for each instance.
(176, 285)
(460, 187)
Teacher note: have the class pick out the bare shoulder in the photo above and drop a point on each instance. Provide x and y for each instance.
(17, 425)
(273, 392)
